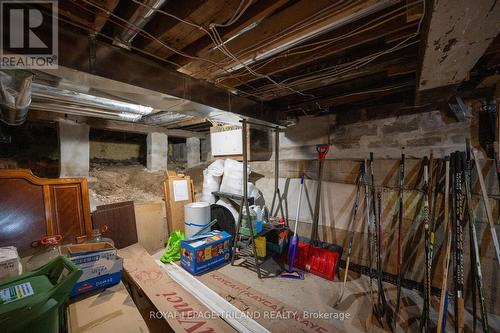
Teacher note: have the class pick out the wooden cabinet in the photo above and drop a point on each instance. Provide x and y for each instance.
(32, 207)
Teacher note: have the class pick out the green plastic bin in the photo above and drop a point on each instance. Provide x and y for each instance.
(35, 301)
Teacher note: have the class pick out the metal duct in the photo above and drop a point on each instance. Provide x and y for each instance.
(165, 117)
(79, 110)
(15, 96)
(73, 97)
(139, 19)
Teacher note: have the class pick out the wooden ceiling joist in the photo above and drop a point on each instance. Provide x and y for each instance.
(283, 65)
(458, 34)
(255, 13)
(295, 23)
(181, 34)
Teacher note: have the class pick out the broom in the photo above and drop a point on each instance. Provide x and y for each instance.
(294, 243)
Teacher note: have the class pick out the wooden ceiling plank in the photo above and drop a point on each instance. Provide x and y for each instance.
(68, 11)
(268, 28)
(291, 62)
(457, 35)
(393, 66)
(187, 122)
(101, 18)
(255, 13)
(182, 34)
(351, 92)
(281, 22)
(160, 23)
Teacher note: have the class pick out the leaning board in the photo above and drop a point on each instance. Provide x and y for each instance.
(178, 191)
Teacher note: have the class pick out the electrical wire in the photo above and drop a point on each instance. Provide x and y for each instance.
(219, 43)
(236, 15)
(397, 46)
(216, 38)
(369, 26)
(332, 72)
(149, 36)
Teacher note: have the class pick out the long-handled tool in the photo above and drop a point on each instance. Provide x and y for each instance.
(487, 205)
(400, 229)
(380, 309)
(459, 246)
(441, 324)
(424, 322)
(294, 243)
(369, 226)
(322, 150)
(352, 224)
(477, 282)
(278, 197)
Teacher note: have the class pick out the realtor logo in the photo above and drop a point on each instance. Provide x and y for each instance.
(29, 34)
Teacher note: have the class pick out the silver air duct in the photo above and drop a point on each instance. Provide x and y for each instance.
(141, 16)
(15, 96)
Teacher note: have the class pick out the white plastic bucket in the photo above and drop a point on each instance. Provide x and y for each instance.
(196, 217)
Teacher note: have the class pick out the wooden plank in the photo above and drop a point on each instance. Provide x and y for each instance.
(151, 226)
(283, 63)
(175, 209)
(274, 33)
(408, 63)
(114, 125)
(249, 299)
(111, 310)
(169, 298)
(182, 34)
(254, 14)
(120, 219)
(457, 35)
(212, 300)
(102, 17)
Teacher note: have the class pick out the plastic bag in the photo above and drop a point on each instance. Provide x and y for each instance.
(173, 249)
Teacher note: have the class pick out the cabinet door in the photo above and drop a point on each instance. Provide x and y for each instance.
(22, 214)
(68, 218)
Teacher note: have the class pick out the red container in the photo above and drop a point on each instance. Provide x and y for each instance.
(317, 260)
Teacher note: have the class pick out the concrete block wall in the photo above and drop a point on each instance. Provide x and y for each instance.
(417, 133)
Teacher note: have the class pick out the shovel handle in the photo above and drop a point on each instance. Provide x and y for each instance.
(322, 149)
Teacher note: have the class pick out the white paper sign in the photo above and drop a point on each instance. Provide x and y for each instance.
(181, 190)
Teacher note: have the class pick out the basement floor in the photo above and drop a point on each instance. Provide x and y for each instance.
(314, 297)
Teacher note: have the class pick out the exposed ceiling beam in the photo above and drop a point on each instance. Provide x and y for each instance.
(161, 23)
(112, 125)
(188, 122)
(281, 64)
(301, 21)
(120, 65)
(331, 72)
(458, 32)
(102, 17)
(181, 34)
(253, 15)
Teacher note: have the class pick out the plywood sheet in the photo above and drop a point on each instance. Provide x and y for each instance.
(173, 203)
(120, 219)
(109, 311)
(151, 226)
(180, 309)
(274, 315)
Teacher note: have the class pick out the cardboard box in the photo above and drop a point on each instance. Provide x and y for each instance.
(205, 252)
(100, 265)
(10, 263)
